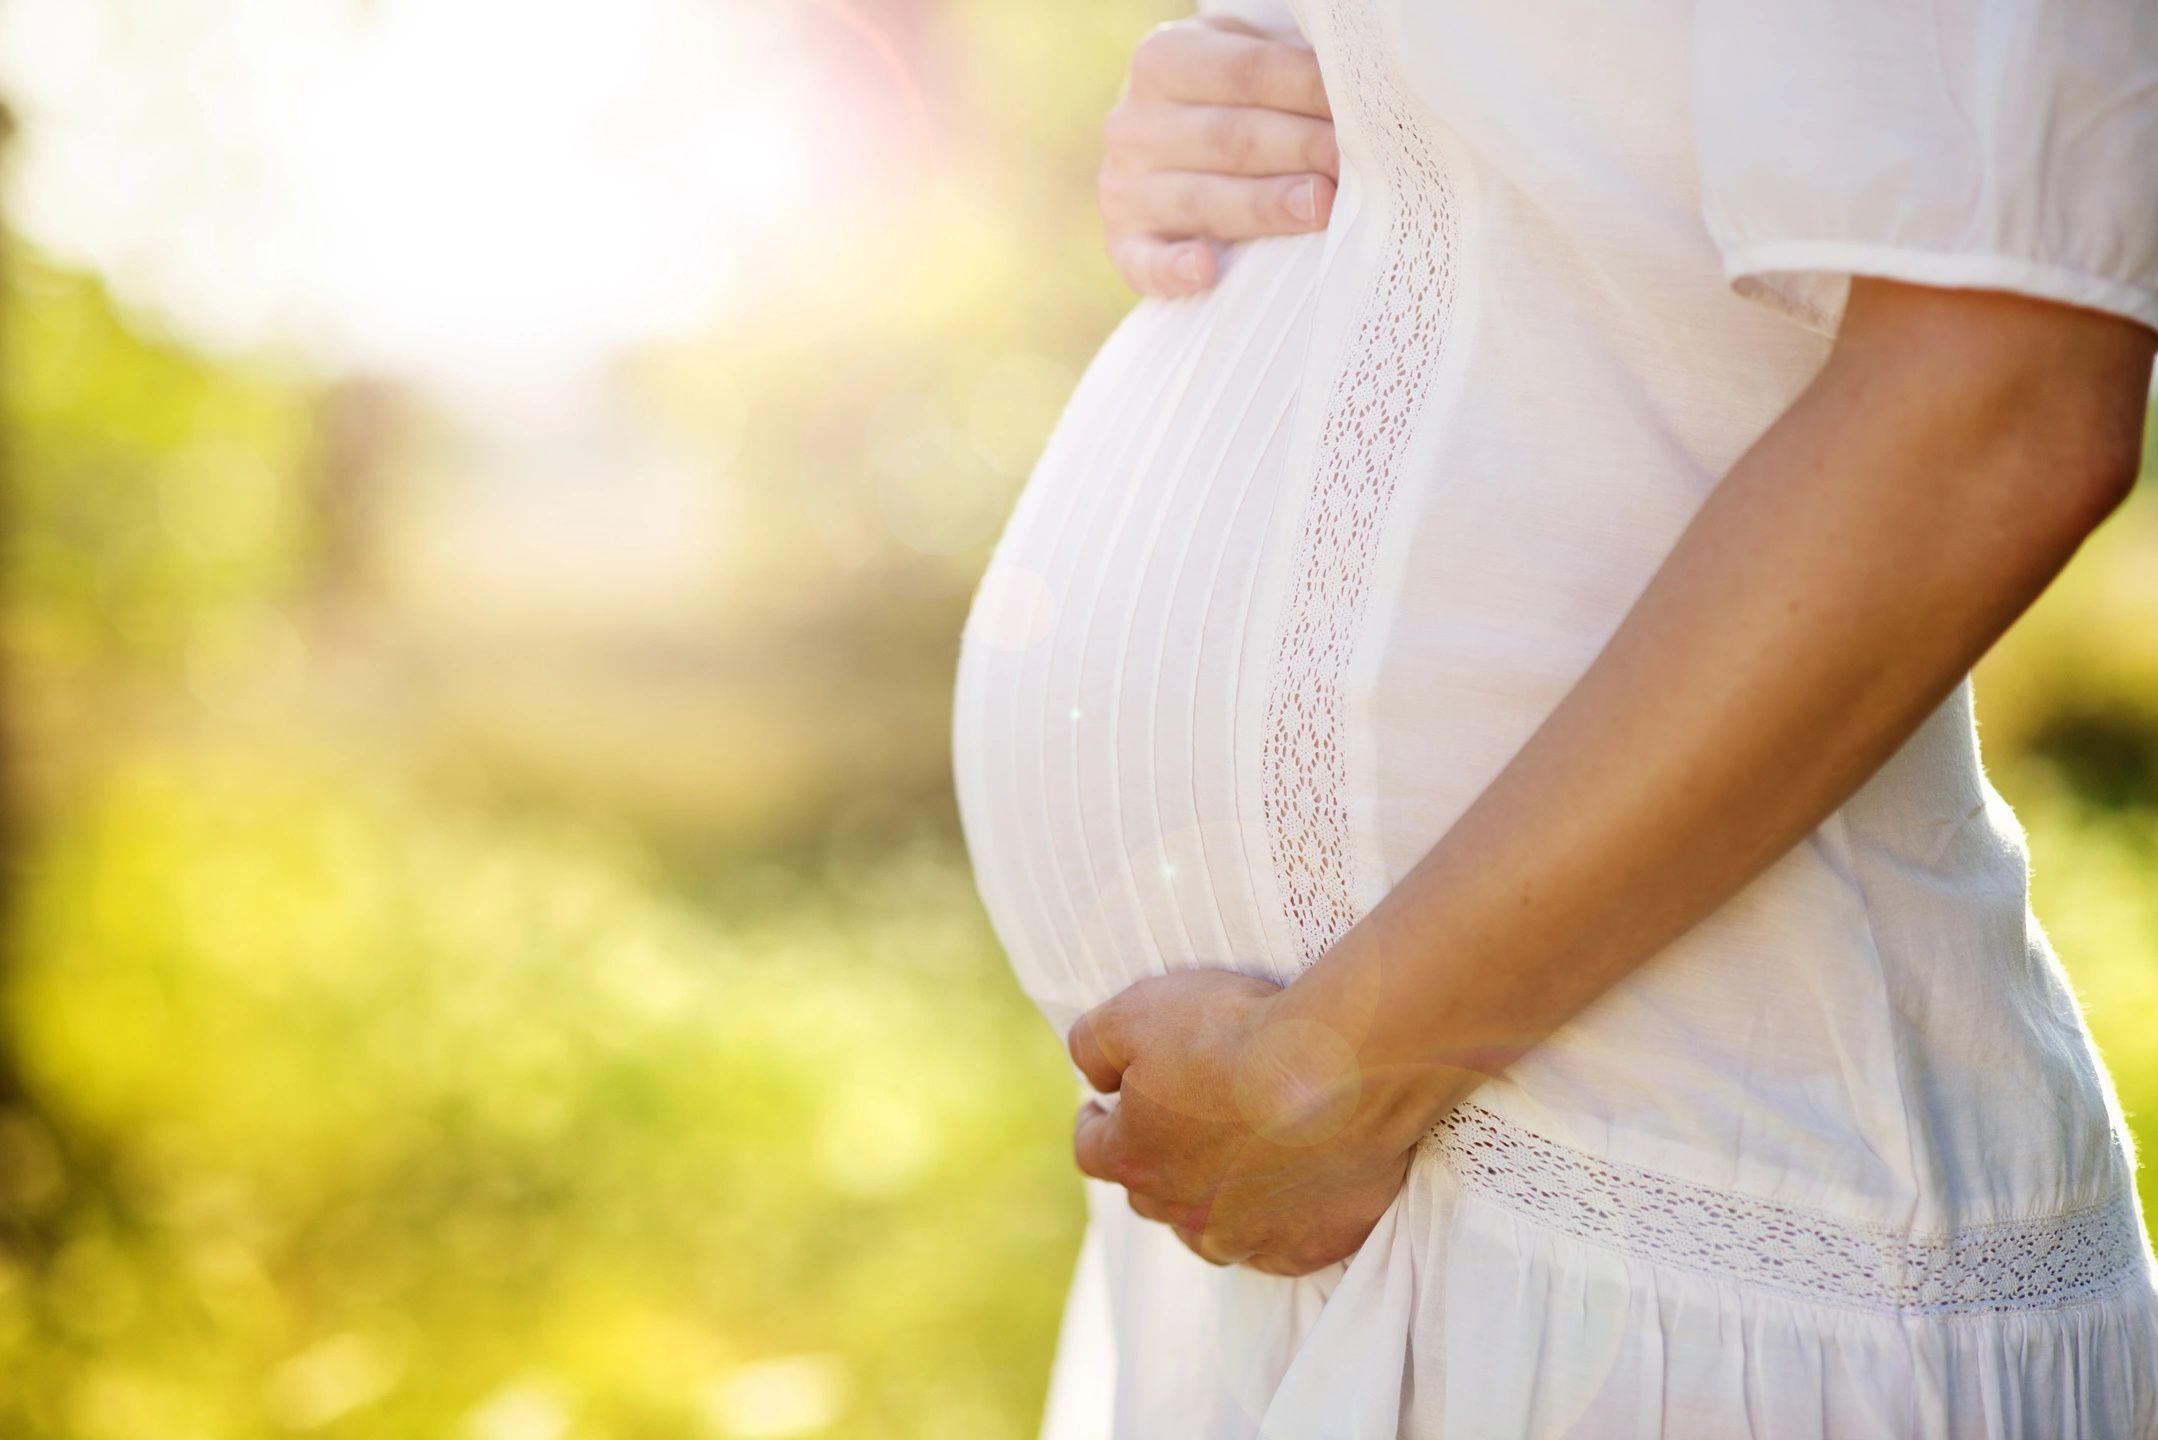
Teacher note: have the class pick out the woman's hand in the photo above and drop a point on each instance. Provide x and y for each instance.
(1222, 133)
(1257, 1138)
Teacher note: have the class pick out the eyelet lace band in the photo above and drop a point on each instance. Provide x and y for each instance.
(1392, 353)
(2029, 1264)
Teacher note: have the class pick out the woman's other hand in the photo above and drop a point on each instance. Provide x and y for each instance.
(1259, 1139)
(1222, 133)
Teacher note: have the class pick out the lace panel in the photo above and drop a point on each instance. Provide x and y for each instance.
(1385, 376)
(2029, 1264)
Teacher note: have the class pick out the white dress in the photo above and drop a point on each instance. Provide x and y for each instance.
(1309, 557)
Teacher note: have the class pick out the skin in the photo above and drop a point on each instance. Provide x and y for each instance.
(1949, 458)
(1221, 133)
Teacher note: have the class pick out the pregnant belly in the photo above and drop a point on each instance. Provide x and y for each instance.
(1103, 737)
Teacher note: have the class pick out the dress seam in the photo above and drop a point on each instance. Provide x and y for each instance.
(2060, 1259)
(1980, 268)
(2125, 1279)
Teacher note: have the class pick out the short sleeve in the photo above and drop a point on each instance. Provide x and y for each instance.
(1992, 144)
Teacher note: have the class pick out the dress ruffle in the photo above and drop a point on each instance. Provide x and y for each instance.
(1468, 1313)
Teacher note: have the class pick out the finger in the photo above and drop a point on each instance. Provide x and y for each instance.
(1189, 1217)
(1094, 1140)
(1220, 66)
(1275, 1265)
(1218, 207)
(1092, 1043)
(1141, 134)
(1241, 26)
(1208, 1246)
(1197, 1248)
(1147, 1207)
(1152, 265)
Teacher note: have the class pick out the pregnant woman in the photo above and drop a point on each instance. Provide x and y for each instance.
(1468, 734)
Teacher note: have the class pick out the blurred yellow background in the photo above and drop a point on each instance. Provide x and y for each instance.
(491, 494)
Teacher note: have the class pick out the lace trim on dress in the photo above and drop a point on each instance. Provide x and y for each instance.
(2040, 1263)
(1387, 372)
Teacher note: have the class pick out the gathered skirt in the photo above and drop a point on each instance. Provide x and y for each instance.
(1516, 1289)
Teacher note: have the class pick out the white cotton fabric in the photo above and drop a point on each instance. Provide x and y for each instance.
(1308, 558)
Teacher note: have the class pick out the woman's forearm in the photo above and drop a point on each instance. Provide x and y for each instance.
(1836, 586)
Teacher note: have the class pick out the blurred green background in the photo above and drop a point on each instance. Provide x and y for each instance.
(490, 953)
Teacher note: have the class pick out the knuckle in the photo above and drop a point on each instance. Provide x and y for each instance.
(1123, 127)
(1126, 1015)
(1123, 1167)
(1106, 1165)
(1232, 136)
(1247, 71)
(1301, 78)
(1129, 1166)
(1244, 210)
(1087, 1029)
(1318, 149)
(1311, 93)
(1186, 202)
(1111, 191)
(1154, 58)
(1087, 1155)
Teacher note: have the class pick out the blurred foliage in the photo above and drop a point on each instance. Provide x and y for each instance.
(154, 494)
(517, 1030)
(520, 1030)
(2092, 887)
(380, 1114)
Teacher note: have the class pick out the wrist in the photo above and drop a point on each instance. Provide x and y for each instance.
(1297, 1079)
(1403, 1101)
(1313, 1070)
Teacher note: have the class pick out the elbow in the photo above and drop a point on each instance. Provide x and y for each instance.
(2087, 452)
(2072, 417)
(2115, 471)
(2111, 484)
(2059, 449)
(2042, 404)
(2033, 460)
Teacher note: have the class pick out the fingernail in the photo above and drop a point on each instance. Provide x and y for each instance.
(1304, 200)
(1187, 267)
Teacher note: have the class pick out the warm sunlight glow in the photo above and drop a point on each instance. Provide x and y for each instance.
(440, 186)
